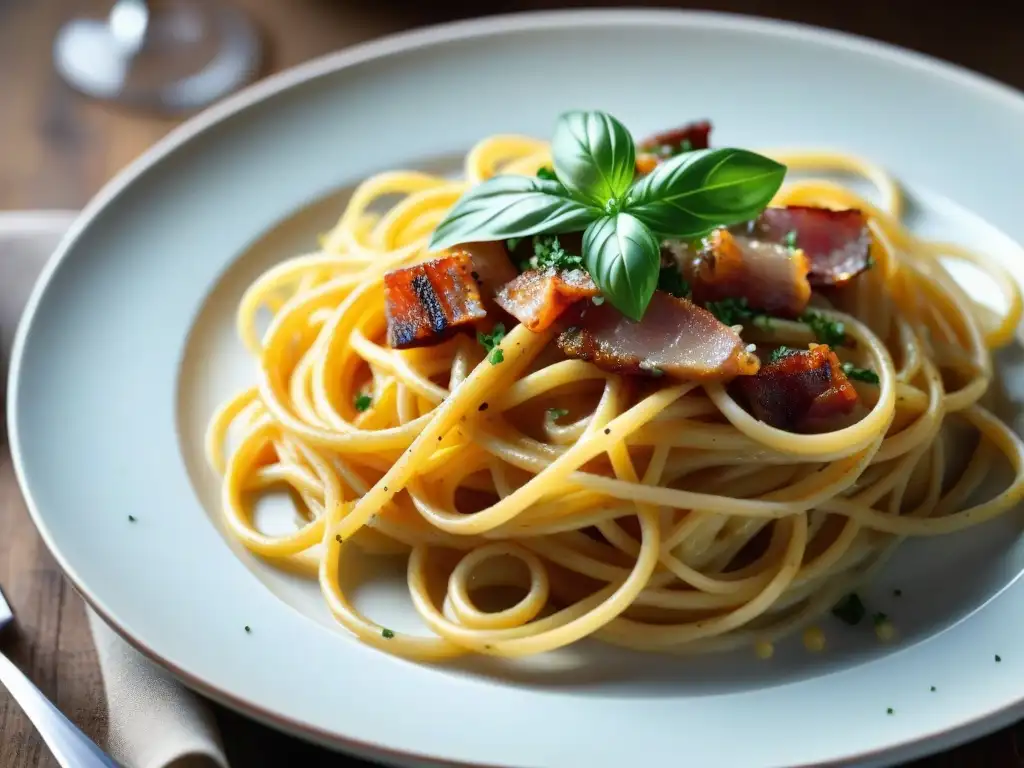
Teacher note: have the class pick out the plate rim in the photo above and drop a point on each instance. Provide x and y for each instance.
(382, 48)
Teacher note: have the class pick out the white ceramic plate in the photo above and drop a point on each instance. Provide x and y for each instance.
(128, 343)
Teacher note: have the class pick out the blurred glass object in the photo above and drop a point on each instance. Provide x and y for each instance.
(167, 55)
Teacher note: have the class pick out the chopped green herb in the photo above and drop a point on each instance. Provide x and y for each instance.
(734, 311)
(791, 239)
(890, 711)
(387, 634)
(513, 242)
(491, 340)
(933, 689)
(860, 374)
(548, 252)
(546, 173)
(248, 628)
(871, 261)
(670, 280)
(879, 618)
(831, 332)
(556, 413)
(780, 353)
(363, 402)
(685, 146)
(849, 610)
(998, 658)
(132, 518)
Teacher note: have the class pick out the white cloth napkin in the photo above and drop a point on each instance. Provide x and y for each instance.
(154, 721)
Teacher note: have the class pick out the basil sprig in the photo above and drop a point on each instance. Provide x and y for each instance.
(594, 158)
(626, 255)
(512, 206)
(696, 192)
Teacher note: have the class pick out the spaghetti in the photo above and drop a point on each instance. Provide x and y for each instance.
(659, 516)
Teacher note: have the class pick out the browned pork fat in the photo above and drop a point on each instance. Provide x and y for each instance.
(801, 390)
(537, 299)
(655, 149)
(426, 302)
(770, 276)
(675, 337)
(837, 243)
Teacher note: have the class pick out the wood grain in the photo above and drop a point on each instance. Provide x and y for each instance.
(57, 149)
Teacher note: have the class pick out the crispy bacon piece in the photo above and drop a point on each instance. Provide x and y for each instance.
(801, 391)
(837, 243)
(675, 337)
(537, 299)
(770, 276)
(424, 303)
(654, 149)
(697, 134)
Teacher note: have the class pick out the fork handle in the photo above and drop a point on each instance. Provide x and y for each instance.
(71, 747)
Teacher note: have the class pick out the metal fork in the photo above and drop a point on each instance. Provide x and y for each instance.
(71, 747)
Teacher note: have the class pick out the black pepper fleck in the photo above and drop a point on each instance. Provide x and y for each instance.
(248, 628)
(337, 538)
(385, 488)
(132, 518)
(607, 431)
(998, 658)
(440, 438)
(898, 592)
(933, 689)
(483, 407)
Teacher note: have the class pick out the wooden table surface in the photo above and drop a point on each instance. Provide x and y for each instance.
(57, 149)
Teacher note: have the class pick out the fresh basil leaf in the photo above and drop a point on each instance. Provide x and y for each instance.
(689, 195)
(622, 257)
(594, 156)
(504, 207)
